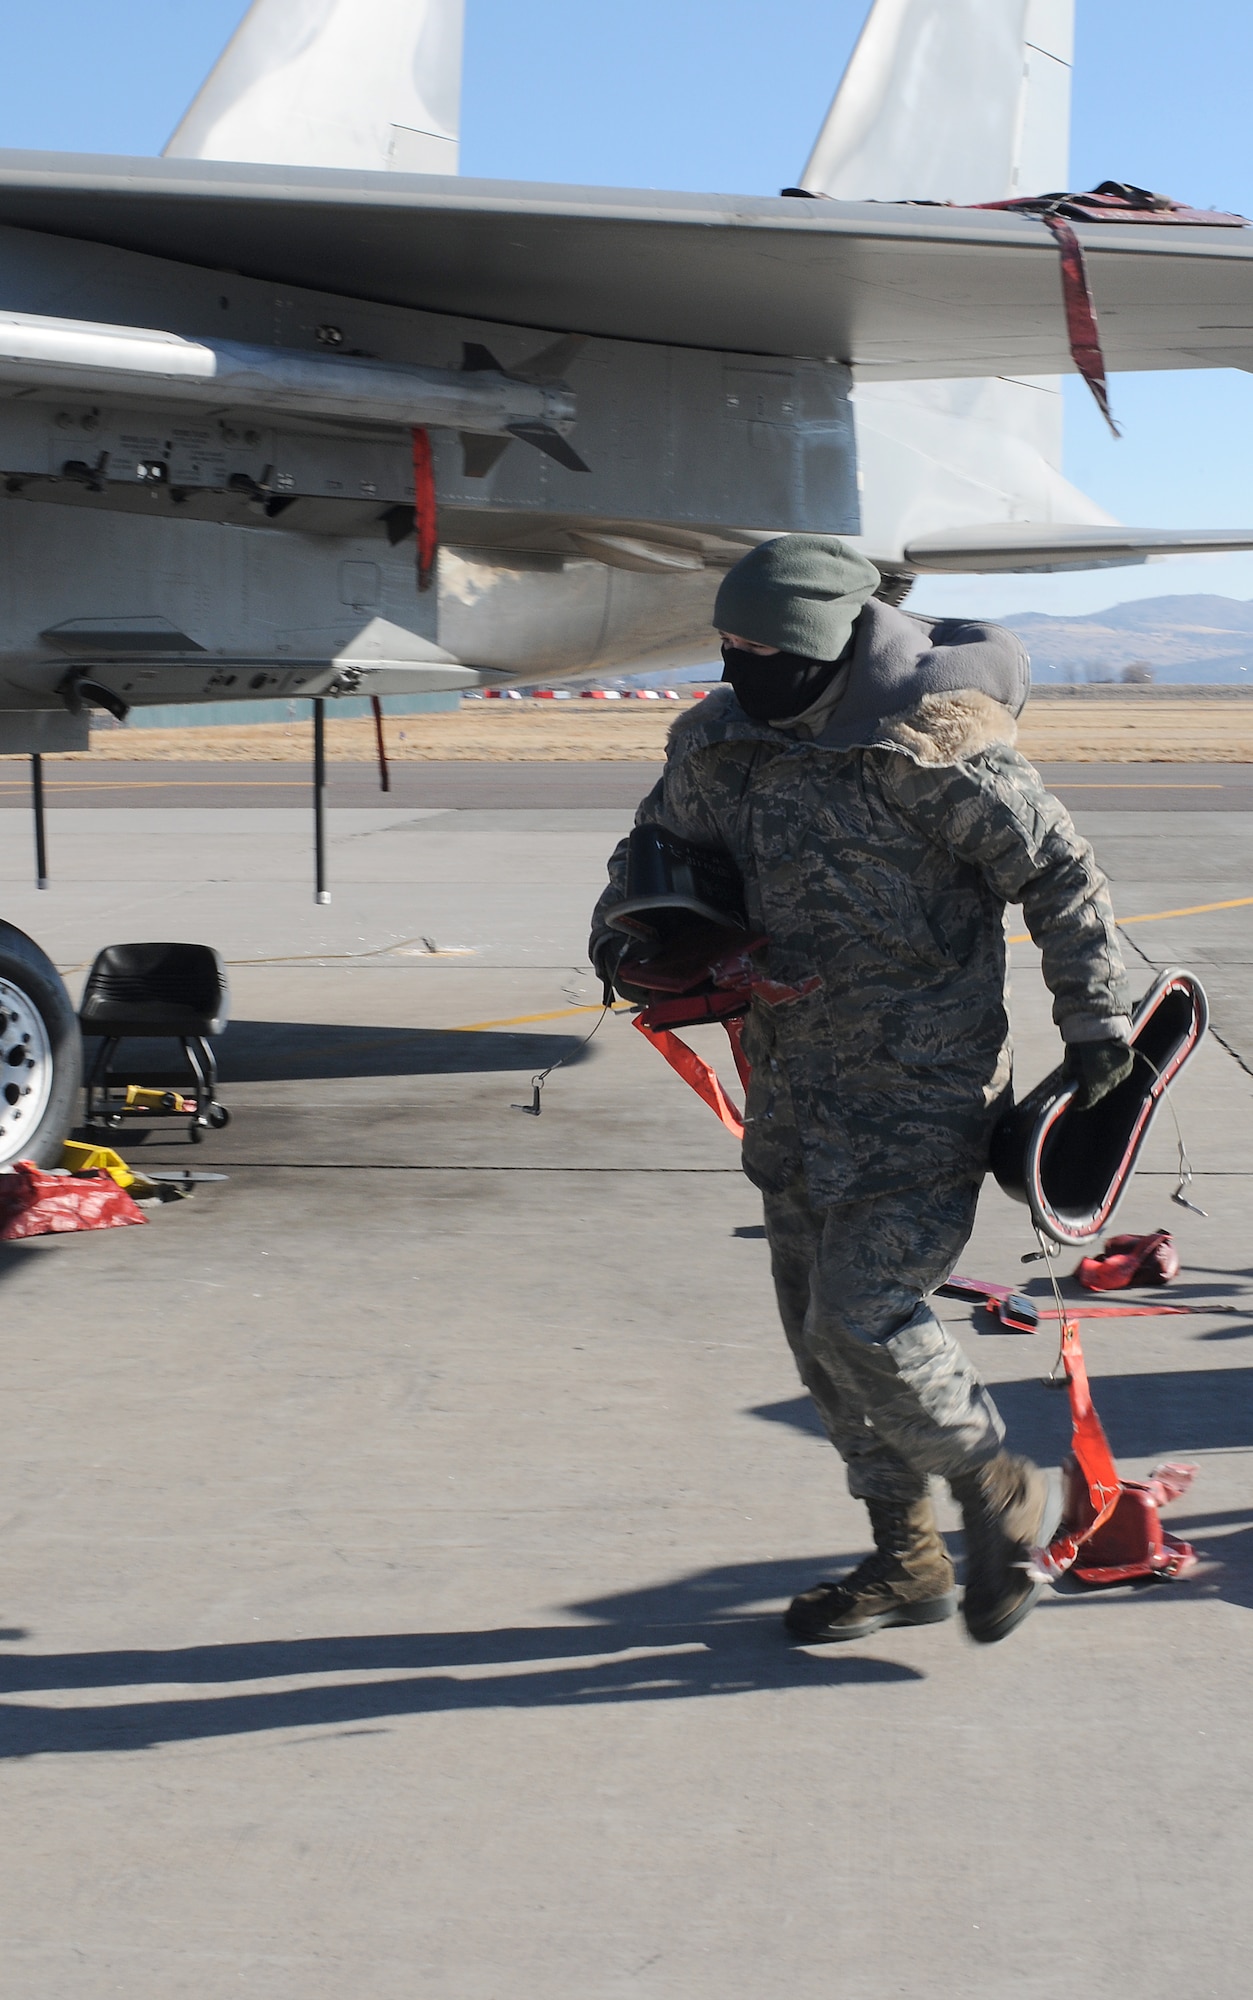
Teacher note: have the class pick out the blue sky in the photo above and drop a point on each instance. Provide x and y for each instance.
(727, 95)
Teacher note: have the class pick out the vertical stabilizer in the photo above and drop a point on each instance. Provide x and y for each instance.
(950, 100)
(963, 101)
(334, 83)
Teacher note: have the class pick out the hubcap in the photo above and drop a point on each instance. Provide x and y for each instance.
(25, 1071)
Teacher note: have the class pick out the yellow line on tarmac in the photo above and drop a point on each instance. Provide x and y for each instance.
(525, 1020)
(1023, 937)
(155, 784)
(1159, 916)
(1193, 910)
(1085, 785)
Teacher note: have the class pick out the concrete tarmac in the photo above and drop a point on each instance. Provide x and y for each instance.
(461, 784)
(395, 1534)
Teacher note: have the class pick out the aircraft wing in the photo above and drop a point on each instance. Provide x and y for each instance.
(897, 291)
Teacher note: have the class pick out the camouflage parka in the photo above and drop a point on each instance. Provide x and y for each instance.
(878, 859)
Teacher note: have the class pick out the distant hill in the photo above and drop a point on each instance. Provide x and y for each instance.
(1198, 638)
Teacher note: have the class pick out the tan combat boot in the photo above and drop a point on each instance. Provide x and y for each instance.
(1004, 1504)
(908, 1580)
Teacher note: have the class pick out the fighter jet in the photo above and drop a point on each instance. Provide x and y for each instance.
(296, 411)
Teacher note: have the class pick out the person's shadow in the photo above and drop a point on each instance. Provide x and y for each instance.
(692, 1637)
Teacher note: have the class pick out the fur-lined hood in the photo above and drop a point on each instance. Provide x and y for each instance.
(939, 690)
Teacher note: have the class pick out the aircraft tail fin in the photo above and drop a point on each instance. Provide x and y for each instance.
(963, 101)
(950, 100)
(334, 83)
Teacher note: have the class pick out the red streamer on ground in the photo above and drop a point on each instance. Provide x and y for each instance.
(1091, 1451)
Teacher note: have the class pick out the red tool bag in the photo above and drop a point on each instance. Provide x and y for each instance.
(34, 1203)
(1110, 1529)
(1130, 1260)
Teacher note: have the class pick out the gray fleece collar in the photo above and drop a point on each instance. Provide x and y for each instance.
(898, 661)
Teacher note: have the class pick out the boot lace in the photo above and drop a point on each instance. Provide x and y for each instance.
(874, 1568)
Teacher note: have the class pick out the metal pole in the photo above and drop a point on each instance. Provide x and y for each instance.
(385, 782)
(41, 831)
(321, 893)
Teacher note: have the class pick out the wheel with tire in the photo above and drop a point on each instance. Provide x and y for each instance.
(219, 1117)
(41, 1054)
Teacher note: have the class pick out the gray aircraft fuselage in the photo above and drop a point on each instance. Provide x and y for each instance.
(190, 540)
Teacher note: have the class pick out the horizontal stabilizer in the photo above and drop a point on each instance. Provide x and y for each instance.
(1023, 546)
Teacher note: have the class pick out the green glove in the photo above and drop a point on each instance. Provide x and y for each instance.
(1098, 1068)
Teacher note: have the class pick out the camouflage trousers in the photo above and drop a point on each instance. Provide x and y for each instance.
(897, 1396)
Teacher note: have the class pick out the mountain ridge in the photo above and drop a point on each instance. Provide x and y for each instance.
(1198, 638)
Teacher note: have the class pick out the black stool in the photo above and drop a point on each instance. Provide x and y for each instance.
(155, 991)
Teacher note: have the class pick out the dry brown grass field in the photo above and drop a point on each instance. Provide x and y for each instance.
(1148, 726)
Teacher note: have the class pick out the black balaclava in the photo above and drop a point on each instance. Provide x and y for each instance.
(773, 687)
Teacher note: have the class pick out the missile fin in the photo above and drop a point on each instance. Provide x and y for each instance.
(476, 359)
(551, 443)
(551, 363)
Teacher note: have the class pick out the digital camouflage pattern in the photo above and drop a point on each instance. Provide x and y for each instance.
(880, 872)
(878, 856)
(898, 1398)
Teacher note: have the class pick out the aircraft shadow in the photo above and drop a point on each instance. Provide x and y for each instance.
(731, 1649)
(316, 1051)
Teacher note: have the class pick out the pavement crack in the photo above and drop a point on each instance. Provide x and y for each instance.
(1234, 1053)
(1223, 1043)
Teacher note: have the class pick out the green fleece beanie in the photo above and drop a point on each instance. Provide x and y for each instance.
(800, 593)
